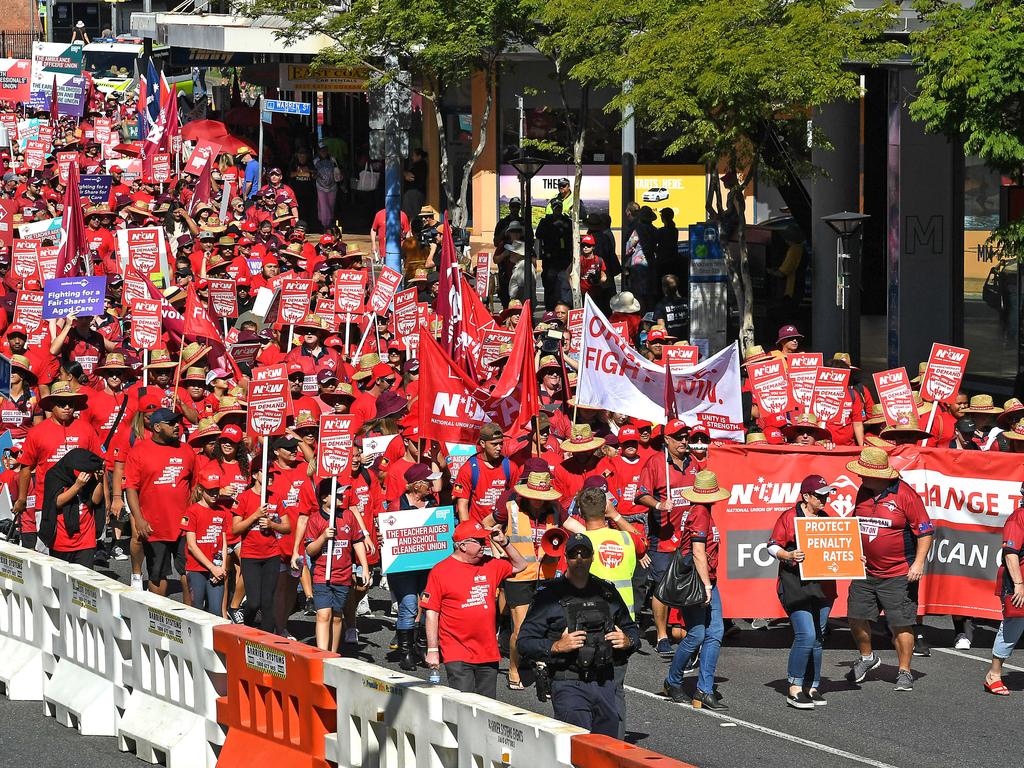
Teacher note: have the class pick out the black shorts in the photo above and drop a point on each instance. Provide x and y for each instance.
(895, 595)
(179, 555)
(160, 556)
(86, 557)
(519, 593)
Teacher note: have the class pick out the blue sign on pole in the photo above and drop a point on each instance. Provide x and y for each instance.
(65, 296)
(286, 107)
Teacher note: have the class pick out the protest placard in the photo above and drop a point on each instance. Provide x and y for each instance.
(832, 547)
(415, 539)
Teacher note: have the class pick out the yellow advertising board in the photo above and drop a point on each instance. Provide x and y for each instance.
(302, 77)
(679, 187)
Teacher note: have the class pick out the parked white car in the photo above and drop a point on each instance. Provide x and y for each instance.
(655, 195)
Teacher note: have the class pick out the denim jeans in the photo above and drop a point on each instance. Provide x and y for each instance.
(406, 588)
(1006, 638)
(704, 630)
(206, 595)
(805, 655)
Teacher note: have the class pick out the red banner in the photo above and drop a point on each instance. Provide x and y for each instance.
(325, 310)
(25, 258)
(268, 407)
(405, 312)
(384, 290)
(895, 395)
(945, 371)
(64, 161)
(493, 338)
(334, 444)
(770, 387)
(294, 303)
(829, 392)
(35, 153)
(483, 274)
(349, 290)
(7, 211)
(803, 372)
(968, 495)
(681, 356)
(146, 325)
(223, 299)
(142, 248)
(203, 153)
(28, 309)
(269, 372)
(103, 126)
(15, 83)
(575, 330)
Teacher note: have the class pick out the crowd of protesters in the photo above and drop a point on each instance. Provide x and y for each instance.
(147, 457)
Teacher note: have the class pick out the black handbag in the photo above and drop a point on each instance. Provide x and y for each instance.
(990, 292)
(681, 586)
(795, 592)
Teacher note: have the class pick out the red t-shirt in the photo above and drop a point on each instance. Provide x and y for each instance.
(666, 526)
(346, 535)
(698, 525)
(890, 522)
(86, 536)
(285, 490)
(18, 419)
(370, 497)
(208, 524)
(1013, 544)
(257, 544)
(570, 475)
(465, 596)
(102, 412)
(162, 475)
(851, 412)
(46, 444)
(380, 224)
(491, 483)
(624, 482)
(395, 484)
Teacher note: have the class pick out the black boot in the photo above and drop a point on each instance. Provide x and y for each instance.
(406, 656)
(703, 700)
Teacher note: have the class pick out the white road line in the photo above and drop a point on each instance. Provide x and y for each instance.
(953, 652)
(770, 731)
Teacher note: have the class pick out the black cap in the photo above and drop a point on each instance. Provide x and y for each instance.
(966, 425)
(285, 442)
(579, 541)
(563, 182)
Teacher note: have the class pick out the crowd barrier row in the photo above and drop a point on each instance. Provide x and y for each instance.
(183, 688)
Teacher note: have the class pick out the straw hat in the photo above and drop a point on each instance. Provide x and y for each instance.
(1013, 411)
(1016, 432)
(503, 352)
(206, 428)
(342, 394)
(548, 361)
(306, 420)
(906, 427)
(983, 404)
(514, 306)
(114, 361)
(160, 358)
(193, 353)
(624, 302)
(877, 442)
(229, 406)
(314, 323)
(418, 276)
(923, 406)
(756, 438)
(64, 391)
(366, 364)
(197, 375)
(705, 489)
(873, 462)
(921, 368)
(875, 416)
(803, 423)
(537, 486)
(755, 354)
(844, 359)
(582, 439)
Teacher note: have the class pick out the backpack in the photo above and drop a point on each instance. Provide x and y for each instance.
(474, 472)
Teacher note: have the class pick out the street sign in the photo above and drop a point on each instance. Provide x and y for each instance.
(286, 107)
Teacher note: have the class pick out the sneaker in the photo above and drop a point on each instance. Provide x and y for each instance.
(816, 697)
(363, 608)
(309, 609)
(384, 584)
(861, 667)
(962, 643)
(904, 680)
(237, 615)
(102, 559)
(664, 648)
(801, 701)
(921, 647)
(137, 582)
(393, 610)
(759, 624)
(393, 645)
(351, 636)
(118, 553)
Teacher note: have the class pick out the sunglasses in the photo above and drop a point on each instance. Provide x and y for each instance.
(579, 554)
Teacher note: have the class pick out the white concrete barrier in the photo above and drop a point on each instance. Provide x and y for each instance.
(28, 612)
(174, 677)
(87, 690)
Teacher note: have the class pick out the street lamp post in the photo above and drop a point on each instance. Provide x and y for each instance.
(845, 224)
(527, 167)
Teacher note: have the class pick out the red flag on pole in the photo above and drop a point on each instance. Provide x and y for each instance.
(74, 248)
(197, 320)
(449, 298)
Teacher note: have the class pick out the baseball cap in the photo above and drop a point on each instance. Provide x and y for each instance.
(490, 432)
(629, 435)
(420, 472)
(656, 334)
(468, 529)
(295, 368)
(700, 429)
(288, 443)
(588, 240)
(17, 328)
(209, 480)
(563, 182)
(150, 403)
(579, 541)
(514, 201)
(231, 433)
(815, 484)
(675, 426)
(381, 371)
(326, 375)
(164, 416)
(596, 481)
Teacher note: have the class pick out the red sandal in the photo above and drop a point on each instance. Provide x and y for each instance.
(998, 688)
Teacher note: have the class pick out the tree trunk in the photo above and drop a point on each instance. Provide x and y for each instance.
(740, 269)
(442, 152)
(460, 211)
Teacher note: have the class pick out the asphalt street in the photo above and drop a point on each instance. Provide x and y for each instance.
(948, 720)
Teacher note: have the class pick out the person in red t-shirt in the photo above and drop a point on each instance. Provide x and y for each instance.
(896, 533)
(75, 505)
(484, 478)
(378, 236)
(1010, 588)
(206, 544)
(460, 604)
(158, 475)
(46, 444)
(289, 486)
(365, 499)
(338, 539)
(584, 461)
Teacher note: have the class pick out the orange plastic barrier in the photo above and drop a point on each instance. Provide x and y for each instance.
(593, 751)
(277, 709)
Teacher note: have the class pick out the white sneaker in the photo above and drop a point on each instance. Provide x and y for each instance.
(962, 643)
(384, 583)
(351, 636)
(137, 582)
(363, 608)
(393, 611)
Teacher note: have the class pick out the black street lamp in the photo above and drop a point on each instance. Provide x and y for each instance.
(846, 224)
(527, 167)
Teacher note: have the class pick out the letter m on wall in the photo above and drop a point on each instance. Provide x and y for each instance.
(924, 235)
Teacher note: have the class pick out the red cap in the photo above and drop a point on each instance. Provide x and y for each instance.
(209, 479)
(656, 334)
(381, 370)
(249, 226)
(17, 328)
(231, 433)
(588, 240)
(295, 368)
(244, 240)
(774, 436)
(628, 434)
(326, 239)
(469, 529)
(150, 402)
(675, 426)
(700, 429)
(333, 341)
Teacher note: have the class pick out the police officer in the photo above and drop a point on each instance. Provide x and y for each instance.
(580, 629)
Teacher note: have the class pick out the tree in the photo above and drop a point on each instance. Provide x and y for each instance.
(719, 75)
(440, 42)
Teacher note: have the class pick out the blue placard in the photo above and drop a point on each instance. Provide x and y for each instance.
(286, 107)
(95, 186)
(65, 296)
(415, 539)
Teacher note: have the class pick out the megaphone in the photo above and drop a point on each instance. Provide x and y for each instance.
(553, 542)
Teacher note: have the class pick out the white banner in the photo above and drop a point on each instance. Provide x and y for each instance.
(615, 376)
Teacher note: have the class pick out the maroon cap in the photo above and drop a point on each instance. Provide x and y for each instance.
(815, 484)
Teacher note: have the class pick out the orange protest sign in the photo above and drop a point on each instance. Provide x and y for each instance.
(831, 546)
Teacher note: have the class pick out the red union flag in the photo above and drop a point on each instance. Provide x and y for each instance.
(7, 210)
(145, 332)
(294, 300)
(334, 444)
(681, 356)
(895, 395)
(25, 258)
(945, 371)
(803, 372)
(349, 290)
(384, 290)
(770, 387)
(201, 155)
(141, 248)
(405, 312)
(223, 299)
(829, 392)
(268, 407)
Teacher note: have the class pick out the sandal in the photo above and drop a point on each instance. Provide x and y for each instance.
(517, 685)
(998, 688)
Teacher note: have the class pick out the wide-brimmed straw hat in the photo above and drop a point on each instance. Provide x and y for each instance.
(1016, 432)
(705, 489)
(366, 365)
(983, 404)
(906, 427)
(114, 361)
(921, 368)
(207, 428)
(64, 391)
(1013, 411)
(875, 416)
(756, 438)
(342, 394)
(197, 375)
(582, 439)
(755, 354)
(160, 358)
(537, 486)
(306, 420)
(806, 422)
(873, 462)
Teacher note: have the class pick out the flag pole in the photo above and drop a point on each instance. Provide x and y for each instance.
(263, 485)
(334, 513)
(931, 421)
(145, 368)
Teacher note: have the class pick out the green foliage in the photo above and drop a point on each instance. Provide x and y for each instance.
(971, 61)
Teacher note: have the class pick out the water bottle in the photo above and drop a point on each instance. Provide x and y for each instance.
(218, 558)
(435, 676)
